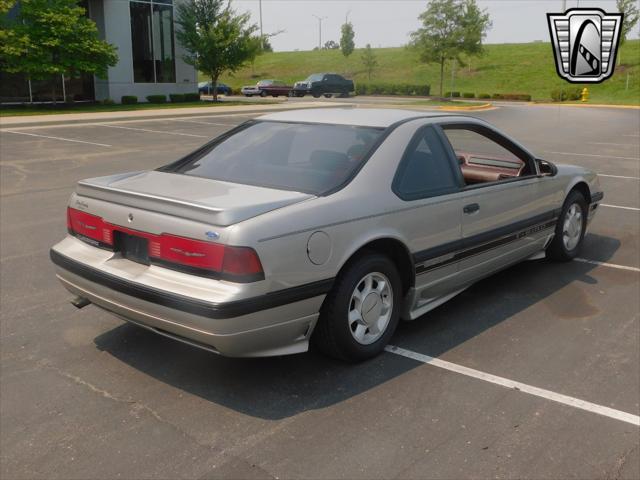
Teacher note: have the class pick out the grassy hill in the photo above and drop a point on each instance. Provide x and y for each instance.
(506, 68)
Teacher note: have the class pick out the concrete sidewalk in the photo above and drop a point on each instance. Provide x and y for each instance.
(67, 118)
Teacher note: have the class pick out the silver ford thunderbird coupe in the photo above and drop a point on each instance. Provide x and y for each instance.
(321, 226)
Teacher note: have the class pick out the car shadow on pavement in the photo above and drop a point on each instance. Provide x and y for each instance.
(280, 387)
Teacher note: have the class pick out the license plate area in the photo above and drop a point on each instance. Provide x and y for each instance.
(132, 247)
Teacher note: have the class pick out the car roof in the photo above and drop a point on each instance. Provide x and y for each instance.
(364, 117)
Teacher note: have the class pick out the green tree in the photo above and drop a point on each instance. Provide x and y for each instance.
(369, 60)
(346, 39)
(216, 38)
(52, 37)
(449, 29)
(631, 16)
(331, 45)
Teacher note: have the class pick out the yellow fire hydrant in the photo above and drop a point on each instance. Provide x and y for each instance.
(585, 95)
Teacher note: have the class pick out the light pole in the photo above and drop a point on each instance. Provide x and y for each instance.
(261, 35)
(319, 30)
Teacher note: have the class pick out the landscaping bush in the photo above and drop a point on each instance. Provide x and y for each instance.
(484, 95)
(561, 95)
(452, 94)
(176, 97)
(497, 96)
(108, 101)
(191, 97)
(392, 89)
(156, 98)
(129, 100)
(468, 95)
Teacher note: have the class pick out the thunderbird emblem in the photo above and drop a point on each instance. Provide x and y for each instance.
(585, 43)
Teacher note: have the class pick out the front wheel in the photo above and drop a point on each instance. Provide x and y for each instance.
(263, 93)
(570, 229)
(316, 94)
(360, 314)
(327, 95)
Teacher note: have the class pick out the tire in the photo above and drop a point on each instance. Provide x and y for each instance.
(248, 95)
(316, 94)
(327, 95)
(337, 328)
(263, 93)
(570, 229)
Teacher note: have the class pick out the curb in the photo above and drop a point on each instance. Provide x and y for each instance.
(484, 106)
(585, 105)
(100, 117)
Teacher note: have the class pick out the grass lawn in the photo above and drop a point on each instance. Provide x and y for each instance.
(507, 68)
(83, 108)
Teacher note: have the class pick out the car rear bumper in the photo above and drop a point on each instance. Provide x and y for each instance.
(279, 323)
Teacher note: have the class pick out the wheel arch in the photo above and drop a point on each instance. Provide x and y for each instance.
(393, 248)
(580, 185)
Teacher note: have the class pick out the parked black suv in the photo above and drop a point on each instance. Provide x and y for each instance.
(323, 84)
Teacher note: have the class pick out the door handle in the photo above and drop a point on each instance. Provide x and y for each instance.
(471, 208)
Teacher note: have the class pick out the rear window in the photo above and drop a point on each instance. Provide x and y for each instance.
(310, 158)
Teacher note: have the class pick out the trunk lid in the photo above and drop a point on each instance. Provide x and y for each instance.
(200, 199)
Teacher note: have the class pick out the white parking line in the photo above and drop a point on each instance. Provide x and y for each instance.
(605, 264)
(58, 138)
(618, 176)
(155, 131)
(593, 155)
(615, 144)
(522, 387)
(631, 135)
(618, 206)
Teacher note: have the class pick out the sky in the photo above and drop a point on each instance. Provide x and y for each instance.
(387, 23)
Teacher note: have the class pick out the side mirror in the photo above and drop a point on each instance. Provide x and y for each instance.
(546, 168)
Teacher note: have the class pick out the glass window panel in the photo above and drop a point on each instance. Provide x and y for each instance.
(163, 44)
(141, 43)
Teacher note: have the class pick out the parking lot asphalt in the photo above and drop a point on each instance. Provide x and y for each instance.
(83, 395)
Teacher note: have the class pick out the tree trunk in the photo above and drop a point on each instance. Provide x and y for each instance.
(214, 86)
(441, 75)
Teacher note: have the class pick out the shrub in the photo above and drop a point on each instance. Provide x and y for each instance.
(156, 98)
(452, 94)
(191, 97)
(468, 95)
(129, 100)
(484, 95)
(561, 95)
(108, 101)
(497, 96)
(176, 97)
(391, 89)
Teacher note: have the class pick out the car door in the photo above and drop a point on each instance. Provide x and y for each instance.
(507, 214)
(427, 182)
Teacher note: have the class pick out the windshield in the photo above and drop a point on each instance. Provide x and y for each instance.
(310, 158)
(316, 77)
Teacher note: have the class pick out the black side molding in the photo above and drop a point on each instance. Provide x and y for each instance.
(182, 303)
(596, 197)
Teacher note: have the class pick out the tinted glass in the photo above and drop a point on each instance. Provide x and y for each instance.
(466, 141)
(163, 44)
(426, 168)
(141, 43)
(289, 156)
(314, 78)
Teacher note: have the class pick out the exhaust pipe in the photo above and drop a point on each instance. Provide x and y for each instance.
(79, 302)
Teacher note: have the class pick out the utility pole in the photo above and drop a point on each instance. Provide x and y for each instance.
(319, 30)
(261, 34)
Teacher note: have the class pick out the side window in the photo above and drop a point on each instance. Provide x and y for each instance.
(425, 169)
(483, 159)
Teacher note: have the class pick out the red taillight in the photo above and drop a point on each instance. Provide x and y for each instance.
(197, 256)
(241, 261)
(89, 226)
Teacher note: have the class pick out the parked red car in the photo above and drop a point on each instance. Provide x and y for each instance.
(273, 88)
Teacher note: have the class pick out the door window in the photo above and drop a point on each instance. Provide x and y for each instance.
(426, 169)
(484, 157)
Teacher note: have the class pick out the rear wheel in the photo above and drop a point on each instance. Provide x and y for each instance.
(327, 95)
(570, 229)
(361, 312)
(316, 93)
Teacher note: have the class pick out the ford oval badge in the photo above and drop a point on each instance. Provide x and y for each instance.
(212, 235)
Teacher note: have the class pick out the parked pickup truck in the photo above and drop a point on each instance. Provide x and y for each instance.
(325, 84)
